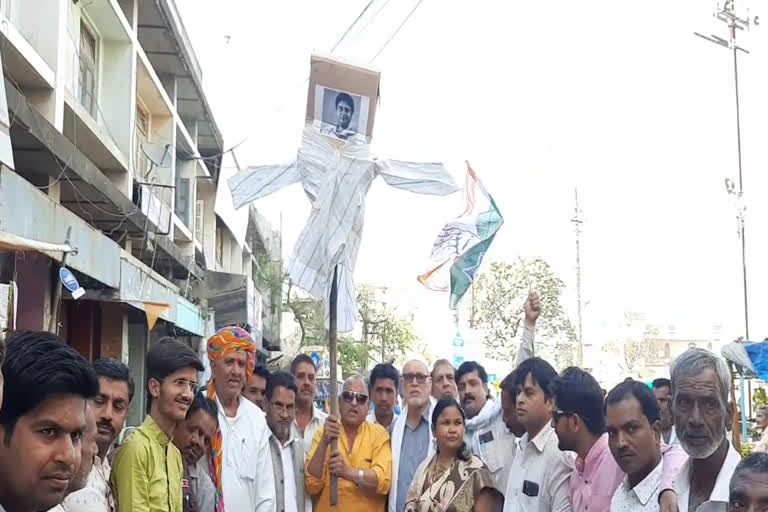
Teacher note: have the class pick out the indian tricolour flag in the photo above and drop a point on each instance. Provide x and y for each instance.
(462, 243)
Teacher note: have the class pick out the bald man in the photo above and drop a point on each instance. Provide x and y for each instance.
(412, 440)
(365, 474)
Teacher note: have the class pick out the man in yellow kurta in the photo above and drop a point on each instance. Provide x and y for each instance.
(147, 470)
(363, 461)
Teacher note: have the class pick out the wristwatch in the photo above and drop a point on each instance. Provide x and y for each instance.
(360, 475)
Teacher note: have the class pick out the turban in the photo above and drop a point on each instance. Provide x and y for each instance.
(233, 339)
(226, 341)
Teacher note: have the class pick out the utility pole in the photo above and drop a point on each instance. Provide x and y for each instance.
(577, 222)
(727, 14)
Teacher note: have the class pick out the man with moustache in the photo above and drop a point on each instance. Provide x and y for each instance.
(364, 474)
(383, 382)
(193, 438)
(242, 465)
(287, 451)
(147, 470)
(74, 502)
(412, 437)
(633, 423)
(42, 420)
(702, 416)
(486, 433)
(579, 421)
(309, 418)
(110, 408)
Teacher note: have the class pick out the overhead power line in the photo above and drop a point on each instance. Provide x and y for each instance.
(397, 30)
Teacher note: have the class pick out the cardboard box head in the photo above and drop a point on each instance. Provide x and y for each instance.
(342, 98)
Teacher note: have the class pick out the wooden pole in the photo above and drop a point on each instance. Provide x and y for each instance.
(334, 391)
(736, 417)
(53, 325)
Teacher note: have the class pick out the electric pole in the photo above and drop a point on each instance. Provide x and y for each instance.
(727, 14)
(577, 222)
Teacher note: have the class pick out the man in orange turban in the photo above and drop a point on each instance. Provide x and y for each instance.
(246, 481)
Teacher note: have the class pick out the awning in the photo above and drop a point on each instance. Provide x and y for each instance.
(13, 242)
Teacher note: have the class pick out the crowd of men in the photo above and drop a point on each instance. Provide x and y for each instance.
(254, 440)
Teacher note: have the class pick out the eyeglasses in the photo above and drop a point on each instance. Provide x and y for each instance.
(181, 383)
(419, 378)
(358, 398)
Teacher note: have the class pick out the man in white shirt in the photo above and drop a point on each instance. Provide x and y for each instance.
(702, 415)
(538, 478)
(411, 435)
(486, 433)
(632, 421)
(110, 408)
(309, 418)
(88, 451)
(287, 451)
(383, 383)
(243, 467)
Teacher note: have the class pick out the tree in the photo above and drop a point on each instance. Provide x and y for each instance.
(385, 335)
(500, 294)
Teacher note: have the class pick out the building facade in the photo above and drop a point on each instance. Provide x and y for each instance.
(114, 142)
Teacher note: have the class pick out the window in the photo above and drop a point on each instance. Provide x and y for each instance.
(141, 136)
(87, 78)
(199, 205)
(182, 200)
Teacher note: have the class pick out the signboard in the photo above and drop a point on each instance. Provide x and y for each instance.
(69, 281)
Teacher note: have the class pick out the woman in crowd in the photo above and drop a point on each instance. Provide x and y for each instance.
(451, 479)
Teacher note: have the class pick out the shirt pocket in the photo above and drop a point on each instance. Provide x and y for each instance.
(490, 452)
(243, 455)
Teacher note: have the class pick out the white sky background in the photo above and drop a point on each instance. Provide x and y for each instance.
(621, 100)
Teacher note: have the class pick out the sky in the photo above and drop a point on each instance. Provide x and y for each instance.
(618, 99)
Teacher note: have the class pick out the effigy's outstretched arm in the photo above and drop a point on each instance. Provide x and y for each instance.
(261, 180)
(419, 177)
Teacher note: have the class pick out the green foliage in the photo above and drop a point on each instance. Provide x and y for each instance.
(759, 398)
(746, 450)
(501, 292)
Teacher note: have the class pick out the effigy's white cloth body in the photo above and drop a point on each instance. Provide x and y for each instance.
(336, 176)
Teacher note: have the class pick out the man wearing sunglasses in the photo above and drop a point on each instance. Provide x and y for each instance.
(364, 473)
(579, 421)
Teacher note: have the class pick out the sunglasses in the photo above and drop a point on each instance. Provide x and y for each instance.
(358, 398)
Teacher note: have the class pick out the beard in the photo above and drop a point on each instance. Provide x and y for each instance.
(416, 401)
(701, 452)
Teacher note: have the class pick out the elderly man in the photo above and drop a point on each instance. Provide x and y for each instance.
(309, 419)
(74, 502)
(287, 451)
(443, 380)
(702, 416)
(412, 438)
(242, 464)
(749, 484)
(364, 473)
